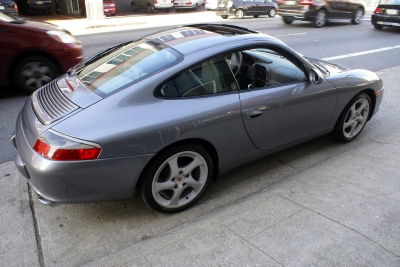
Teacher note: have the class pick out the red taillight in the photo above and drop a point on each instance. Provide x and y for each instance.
(188, 3)
(155, 2)
(56, 147)
(306, 3)
(15, 7)
(280, 2)
(377, 10)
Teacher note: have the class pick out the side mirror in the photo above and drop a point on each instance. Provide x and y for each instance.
(315, 76)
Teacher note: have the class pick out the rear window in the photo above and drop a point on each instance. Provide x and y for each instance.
(127, 65)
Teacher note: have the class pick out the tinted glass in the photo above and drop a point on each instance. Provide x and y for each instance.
(127, 65)
(208, 77)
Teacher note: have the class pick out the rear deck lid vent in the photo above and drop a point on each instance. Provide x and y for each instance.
(50, 104)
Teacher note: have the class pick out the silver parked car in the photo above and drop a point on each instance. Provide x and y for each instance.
(167, 114)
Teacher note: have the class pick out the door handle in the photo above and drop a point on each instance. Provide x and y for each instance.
(251, 114)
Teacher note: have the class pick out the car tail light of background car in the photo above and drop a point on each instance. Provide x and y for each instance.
(15, 7)
(56, 146)
(306, 3)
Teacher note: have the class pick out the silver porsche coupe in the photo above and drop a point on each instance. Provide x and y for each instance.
(168, 113)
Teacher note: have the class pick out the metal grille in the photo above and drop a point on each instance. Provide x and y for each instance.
(50, 104)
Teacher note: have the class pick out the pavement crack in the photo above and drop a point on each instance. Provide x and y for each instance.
(35, 223)
(345, 226)
(245, 240)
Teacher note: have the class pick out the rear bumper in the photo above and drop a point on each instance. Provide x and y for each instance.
(39, 7)
(109, 10)
(384, 20)
(76, 181)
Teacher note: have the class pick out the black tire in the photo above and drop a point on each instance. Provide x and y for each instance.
(320, 19)
(224, 16)
(287, 21)
(167, 10)
(256, 16)
(133, 7)
(358, 16)
(195, 7)
(272, 13)
(350, 122)
(168, 193)
(33, 72)
(150, 8)
(82, 13)
(378, 27)
(239, 14)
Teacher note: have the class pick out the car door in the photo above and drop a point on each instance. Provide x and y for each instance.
(286, 107)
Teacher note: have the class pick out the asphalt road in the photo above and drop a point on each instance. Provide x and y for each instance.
(377, 50)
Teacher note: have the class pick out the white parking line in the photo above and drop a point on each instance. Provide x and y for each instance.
(362, 53)
(291, 34)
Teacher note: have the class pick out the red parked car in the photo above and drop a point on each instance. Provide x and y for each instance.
(33, 53)
(108, 6)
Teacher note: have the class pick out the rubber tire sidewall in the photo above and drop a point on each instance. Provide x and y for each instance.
(236, 14)
(287, 21)
(17, 77)
(147, 180)
(314, 20)
(271, 15)
(337, 133)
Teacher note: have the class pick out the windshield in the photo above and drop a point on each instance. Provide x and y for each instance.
(127, 65)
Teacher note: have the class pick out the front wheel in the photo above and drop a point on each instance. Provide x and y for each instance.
(378, 27)
(353, 118)
(256, 16)
(33, 72)
(272, 13)
(358, 16)
(239, 14)
(320, 19)
(287, 21)
(177, 178)
(224, 16)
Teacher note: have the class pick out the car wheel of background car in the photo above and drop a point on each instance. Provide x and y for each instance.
(287, 21)
(378, 27)
(177, 178)
(320, 19)
(196, 7)
(272, 13)
(33, 72)
(150, 9)
(239, 14)
(166, 10)
(133, 7)
(224, 16)
(353, 118)
(358, 16)
(256, 16)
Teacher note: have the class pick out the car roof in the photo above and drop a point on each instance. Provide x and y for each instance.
(191, 38)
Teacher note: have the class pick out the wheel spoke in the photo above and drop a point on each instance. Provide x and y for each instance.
(43, 69)
(177, 194)
(196, 185)
(173, 165)
(164, 186)
(30, 81)
(194, 164)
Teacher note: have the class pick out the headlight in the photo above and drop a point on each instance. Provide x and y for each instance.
(62, 36)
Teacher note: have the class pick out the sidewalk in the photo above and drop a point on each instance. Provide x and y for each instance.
(317, 204)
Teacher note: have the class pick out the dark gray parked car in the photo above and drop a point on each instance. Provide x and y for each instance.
(8, 7)
(167, 114)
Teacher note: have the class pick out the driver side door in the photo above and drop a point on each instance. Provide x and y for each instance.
(282, 106)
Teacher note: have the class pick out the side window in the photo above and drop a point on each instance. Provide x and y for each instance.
(265, 68)
(212, 76)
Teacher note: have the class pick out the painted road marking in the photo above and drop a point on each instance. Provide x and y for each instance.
(291, 34)
(362, 53)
